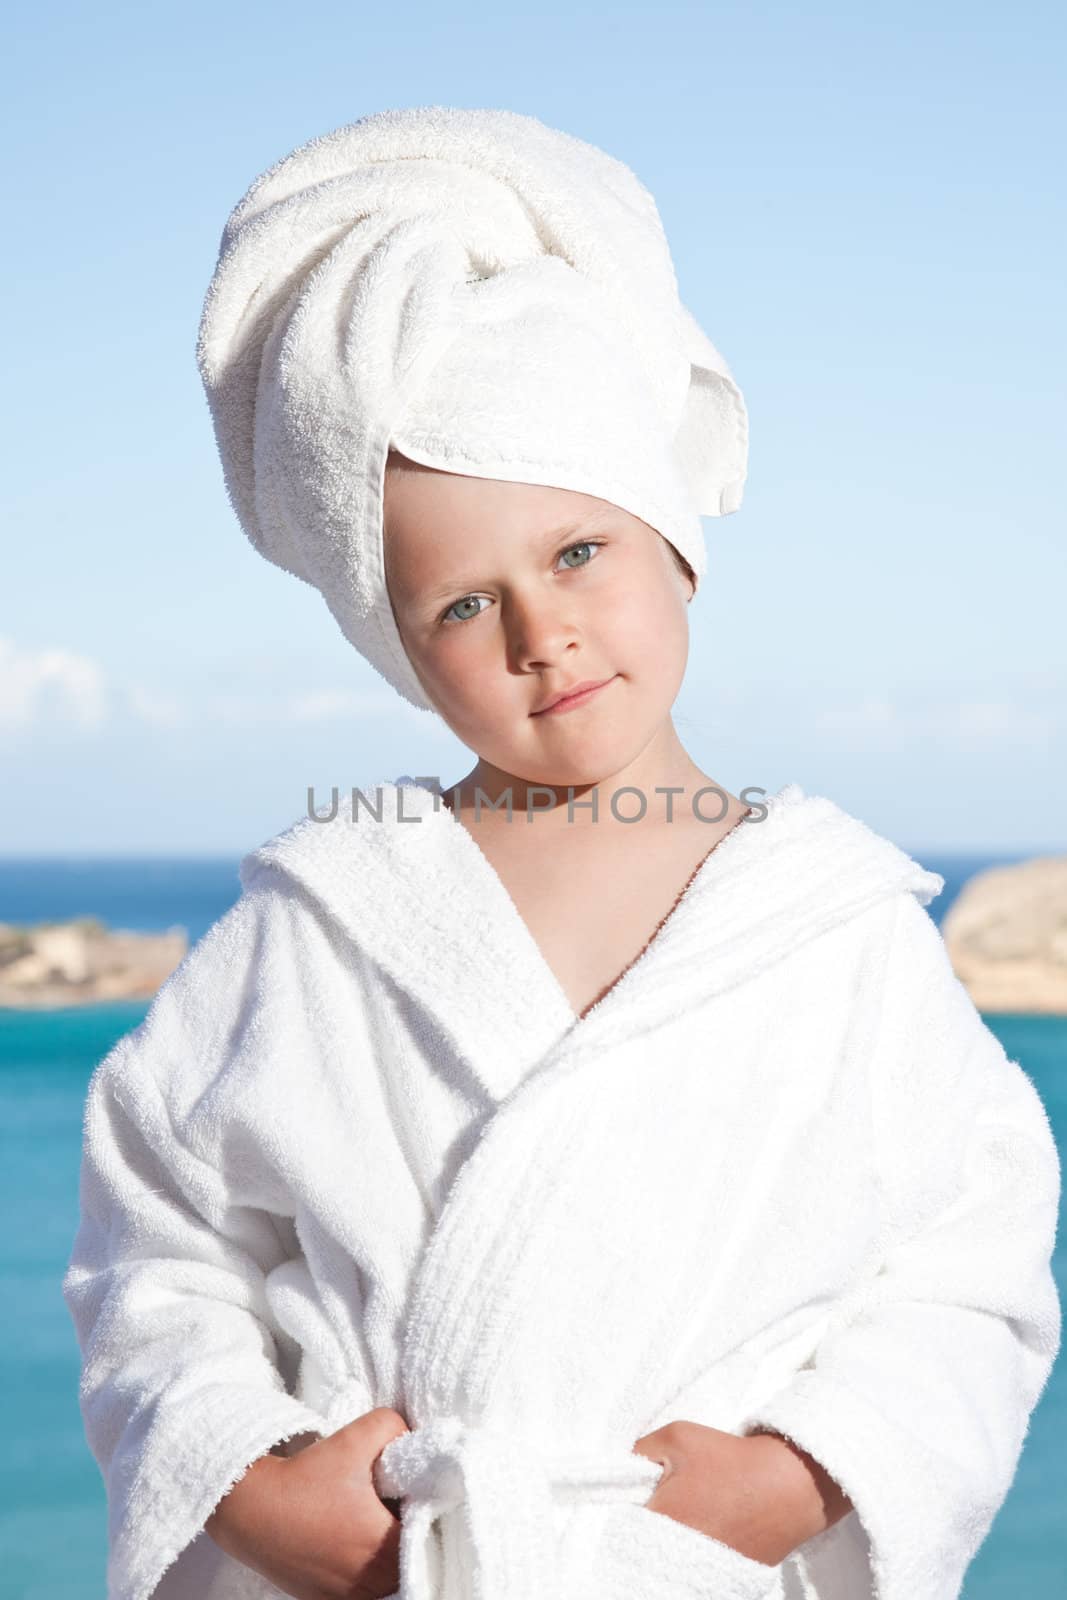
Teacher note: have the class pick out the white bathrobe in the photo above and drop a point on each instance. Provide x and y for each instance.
(362, 1152)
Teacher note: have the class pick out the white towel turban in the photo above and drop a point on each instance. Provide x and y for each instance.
(480, 292)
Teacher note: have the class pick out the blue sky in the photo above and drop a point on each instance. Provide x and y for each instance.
(866, 211)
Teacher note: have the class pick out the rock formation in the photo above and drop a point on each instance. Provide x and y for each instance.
(1006, 935)
(74, 963)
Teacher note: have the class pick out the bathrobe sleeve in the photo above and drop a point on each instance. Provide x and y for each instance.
(918, 1398)
(180, 1389)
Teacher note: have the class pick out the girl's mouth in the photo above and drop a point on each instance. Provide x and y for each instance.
(572, 701)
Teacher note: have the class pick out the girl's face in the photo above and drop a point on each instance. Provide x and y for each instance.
(507, 594)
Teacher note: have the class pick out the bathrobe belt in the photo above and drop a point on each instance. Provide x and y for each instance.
(504, 1488)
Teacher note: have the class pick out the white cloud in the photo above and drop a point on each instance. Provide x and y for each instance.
(318, 705)
(311, 705)
(51, 684)
(971, 724)
(997, 720)
(871, 715)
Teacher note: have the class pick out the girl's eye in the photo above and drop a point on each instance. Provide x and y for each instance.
(468, 599)
(586, 544)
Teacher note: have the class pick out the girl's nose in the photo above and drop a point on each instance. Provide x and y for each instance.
(540, 631)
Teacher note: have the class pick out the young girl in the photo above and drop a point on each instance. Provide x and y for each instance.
(574, 1180)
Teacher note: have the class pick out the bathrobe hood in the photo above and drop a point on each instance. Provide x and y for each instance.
(409, 885)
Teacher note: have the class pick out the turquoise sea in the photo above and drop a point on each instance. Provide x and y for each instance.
(53, 1519)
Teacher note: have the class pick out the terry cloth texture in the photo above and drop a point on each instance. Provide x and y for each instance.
(481, 292)
(361, 1152)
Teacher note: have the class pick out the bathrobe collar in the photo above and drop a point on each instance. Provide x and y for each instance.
(416, 893)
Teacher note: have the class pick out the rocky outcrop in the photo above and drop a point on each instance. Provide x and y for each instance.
(1006, 936)
(75, 963)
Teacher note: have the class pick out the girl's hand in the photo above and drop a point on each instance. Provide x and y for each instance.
(312, 1523)
(743, 1491)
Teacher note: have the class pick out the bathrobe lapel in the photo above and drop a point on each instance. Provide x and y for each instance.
(414, 891)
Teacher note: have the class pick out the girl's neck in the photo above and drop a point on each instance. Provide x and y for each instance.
(652, 798)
